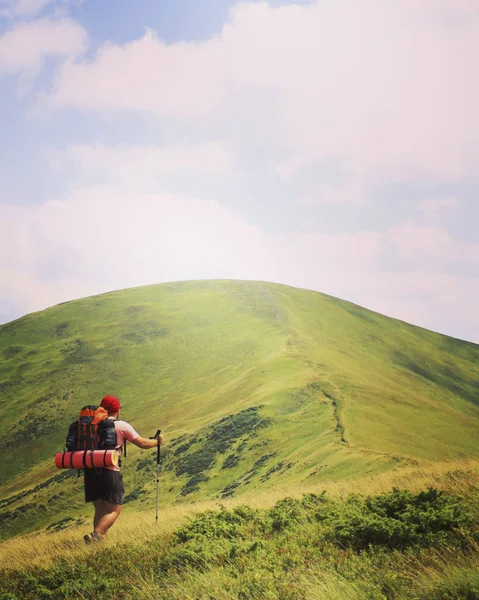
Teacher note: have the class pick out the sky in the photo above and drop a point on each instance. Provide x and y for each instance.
(327, 145)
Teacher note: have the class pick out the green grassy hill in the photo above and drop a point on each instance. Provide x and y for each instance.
(254, 385)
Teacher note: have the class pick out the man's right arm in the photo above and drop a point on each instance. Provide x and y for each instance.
(146, 443)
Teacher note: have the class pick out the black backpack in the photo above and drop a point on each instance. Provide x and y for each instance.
(92, 431)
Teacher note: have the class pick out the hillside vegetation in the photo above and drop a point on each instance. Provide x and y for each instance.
(255, 386)
(387, 543)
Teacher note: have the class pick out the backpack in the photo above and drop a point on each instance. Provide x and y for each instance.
(91, 431)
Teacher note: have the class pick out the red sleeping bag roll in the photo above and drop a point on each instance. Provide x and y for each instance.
(86, 459)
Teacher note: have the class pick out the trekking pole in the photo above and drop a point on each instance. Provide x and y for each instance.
(157, 436)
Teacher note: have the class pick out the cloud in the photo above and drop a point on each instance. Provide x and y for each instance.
(434, 248)
(147, 74)
(22, 8)
(27, 45)
(437, 206)
(350, 192)
(104, 237)
(325, 183)
(390, 87)
(143, 166)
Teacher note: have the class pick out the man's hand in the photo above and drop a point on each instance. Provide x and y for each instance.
(158, 437)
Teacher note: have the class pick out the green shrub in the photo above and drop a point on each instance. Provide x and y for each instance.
(192, 485)
(285, 513)
(181, 558)
(231, 461)
(398, 519)
(211, 525)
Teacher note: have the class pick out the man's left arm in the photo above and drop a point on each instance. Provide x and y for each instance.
(132, 436)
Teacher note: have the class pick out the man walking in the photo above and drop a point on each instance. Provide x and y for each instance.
(104, 487)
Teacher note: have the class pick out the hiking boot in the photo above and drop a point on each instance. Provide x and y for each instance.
(93, 537)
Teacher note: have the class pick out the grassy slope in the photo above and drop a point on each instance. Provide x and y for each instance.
(301, 554)
(342, 391)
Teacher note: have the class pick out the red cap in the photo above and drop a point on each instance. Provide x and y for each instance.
(111, 404)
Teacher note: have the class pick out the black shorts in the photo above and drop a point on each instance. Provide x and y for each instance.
(104, 484)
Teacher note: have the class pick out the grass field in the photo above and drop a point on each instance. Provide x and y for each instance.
(306, 544)
(257, 388)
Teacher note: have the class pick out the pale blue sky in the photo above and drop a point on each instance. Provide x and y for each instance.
(319, 144)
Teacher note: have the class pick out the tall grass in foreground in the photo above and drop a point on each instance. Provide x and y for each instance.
(41, 549)
(414, 542)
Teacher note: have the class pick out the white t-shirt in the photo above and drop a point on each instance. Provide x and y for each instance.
(124, 431)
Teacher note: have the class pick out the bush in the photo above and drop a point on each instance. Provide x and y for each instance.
(398, 519)
(212, 525)
(286, 513)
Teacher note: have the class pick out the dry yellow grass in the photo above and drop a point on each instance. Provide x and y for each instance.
(42, 549)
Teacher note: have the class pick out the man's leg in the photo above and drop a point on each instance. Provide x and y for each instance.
(95, 490)
(100, 511)
(112, 500)
(110, 515)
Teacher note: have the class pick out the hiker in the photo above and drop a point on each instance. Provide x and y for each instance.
(104, 487)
